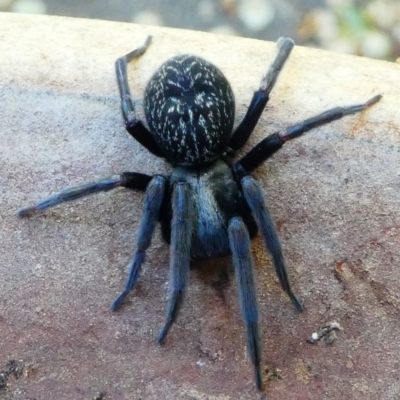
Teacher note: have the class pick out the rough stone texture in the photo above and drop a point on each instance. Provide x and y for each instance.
(333, 193)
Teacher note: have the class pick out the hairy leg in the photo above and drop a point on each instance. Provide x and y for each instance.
(271, 144)
(261, 96)
(152, 204)
(132, 180)
(242, 258)
(181, 240)
(133, 125)
(255, 199)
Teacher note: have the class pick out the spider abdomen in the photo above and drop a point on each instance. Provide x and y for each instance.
(190, 108)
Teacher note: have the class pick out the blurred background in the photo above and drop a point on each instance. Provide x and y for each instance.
(368, 28)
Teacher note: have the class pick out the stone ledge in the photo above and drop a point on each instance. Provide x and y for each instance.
(333, 193)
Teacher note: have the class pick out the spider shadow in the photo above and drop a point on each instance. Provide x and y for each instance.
(216, 273)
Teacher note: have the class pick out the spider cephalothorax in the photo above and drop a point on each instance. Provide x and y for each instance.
(208, 206)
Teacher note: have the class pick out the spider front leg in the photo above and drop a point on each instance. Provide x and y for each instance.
(132, 180)
(180, 248)
(261, 96)
(239, 242)
(267, 147)
(151, 210)
(132, 124)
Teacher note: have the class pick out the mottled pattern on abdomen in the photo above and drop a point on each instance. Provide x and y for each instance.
(189, 107)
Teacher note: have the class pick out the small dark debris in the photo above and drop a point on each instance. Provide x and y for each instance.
(13, 368)
(3, 381)
(328, 332)
(212, 356)
(271, 374)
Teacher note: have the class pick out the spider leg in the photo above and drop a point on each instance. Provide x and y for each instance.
(132, 124)
(263, 150)
(181, 238)
(239, 242)
(152, 204)
(255, 199)
(130, 180)
(261, 96)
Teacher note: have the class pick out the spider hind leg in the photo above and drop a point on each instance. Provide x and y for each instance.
(255, 199)
(239, 241)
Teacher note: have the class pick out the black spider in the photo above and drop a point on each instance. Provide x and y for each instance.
(210, 205)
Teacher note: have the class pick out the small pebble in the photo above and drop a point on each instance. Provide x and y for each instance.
(200, 364)
(315, 336)
(328, 332)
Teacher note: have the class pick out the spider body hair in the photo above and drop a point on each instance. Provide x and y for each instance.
(216, 195)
